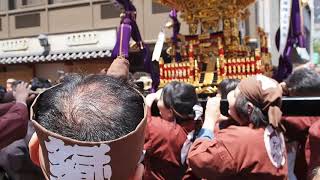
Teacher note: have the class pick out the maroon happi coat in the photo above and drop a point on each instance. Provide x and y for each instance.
(305, 130)
(163, 142)
(237, 152)
(13, 122)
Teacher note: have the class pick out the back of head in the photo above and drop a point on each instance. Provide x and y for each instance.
(39, 83)
(87, 126)
(259, 101)
(303, 82)
(227, 85)
(90, 108)
(181, 97)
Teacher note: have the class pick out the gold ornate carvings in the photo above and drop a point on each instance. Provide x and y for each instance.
(208, 10)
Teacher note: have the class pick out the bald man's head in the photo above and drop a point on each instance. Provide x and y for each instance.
(90, 108)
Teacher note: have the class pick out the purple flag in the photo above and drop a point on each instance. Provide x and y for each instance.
(129, 29)
(295, 38)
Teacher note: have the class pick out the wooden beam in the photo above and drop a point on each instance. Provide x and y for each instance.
(291, 106)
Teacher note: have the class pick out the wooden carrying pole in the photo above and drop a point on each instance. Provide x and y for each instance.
(291, 106)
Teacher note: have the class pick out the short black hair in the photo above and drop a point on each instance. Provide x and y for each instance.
(39, 83)
(181, 97)
(90, 108)
(303, 82)
(227, 85)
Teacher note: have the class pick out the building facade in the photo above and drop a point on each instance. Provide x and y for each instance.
(77, 35)
(80, 34)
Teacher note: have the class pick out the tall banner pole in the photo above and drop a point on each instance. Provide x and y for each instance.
(285, 16)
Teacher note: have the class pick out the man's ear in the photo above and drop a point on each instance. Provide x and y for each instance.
(34, 147)
(250, 108)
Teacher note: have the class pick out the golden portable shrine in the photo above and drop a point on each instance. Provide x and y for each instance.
(218, 52)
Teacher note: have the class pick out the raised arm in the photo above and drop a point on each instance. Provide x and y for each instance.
(14, 123)
(119, 68)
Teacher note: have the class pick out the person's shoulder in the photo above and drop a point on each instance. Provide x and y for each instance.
(164, 137)
(294, 119)
(295, 124)
(162, 129)
(159, 123)
(236, 128)
(239, 133)
(239, 140)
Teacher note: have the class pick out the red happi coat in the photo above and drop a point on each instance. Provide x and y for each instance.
(13, 122)
(163, 143)
(235, 153)
(305, 130)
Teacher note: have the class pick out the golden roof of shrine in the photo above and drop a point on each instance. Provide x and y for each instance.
(208, 10)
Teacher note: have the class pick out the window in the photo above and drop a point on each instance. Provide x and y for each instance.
(24, 2)
(61, 1)
(29, 3)
(12, 4)
(158, 8)
(28, 20)
(0, 24)
(109, 11)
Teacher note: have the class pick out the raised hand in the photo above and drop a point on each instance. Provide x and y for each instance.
(212, 114)
(21, 92)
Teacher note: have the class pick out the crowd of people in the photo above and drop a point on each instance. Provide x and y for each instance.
(100, 126)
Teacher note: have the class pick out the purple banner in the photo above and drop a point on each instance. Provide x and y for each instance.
(176, 29)
(295, 38)
(129, 29)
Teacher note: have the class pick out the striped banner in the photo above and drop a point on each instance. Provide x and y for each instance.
(285, 16)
